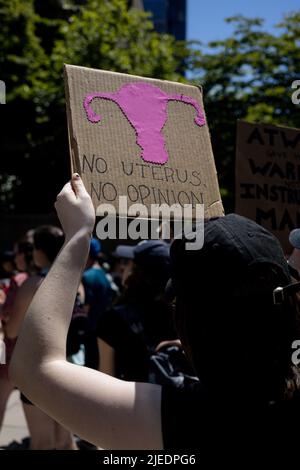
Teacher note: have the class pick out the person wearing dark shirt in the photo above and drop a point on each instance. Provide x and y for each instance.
(236, 317)
(130, 331)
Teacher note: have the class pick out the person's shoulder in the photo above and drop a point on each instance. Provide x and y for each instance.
(89, 276)
(182, 412)
(87, 273)
(94, 275)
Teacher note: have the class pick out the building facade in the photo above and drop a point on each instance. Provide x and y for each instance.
(168, 16)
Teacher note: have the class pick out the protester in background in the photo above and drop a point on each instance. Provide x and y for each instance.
(237, 335)
(2, 296)
(141, 319)
(98, 296)
(104, 262)
(45, 433)
(23, 267)
(8, 265)
(7, 269)
(122, 264)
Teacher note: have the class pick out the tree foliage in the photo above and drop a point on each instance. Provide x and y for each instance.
(247, 75)
(99, 33)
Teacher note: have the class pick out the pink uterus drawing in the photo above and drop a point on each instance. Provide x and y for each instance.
(145, 107)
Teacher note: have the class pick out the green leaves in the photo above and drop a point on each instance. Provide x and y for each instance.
(36, 40)
(247, 75)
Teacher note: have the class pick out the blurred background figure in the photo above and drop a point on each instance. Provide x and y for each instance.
(7, 269)
(122, 264)
(141, 319)
(19, 267)
(99, 293)
(8, 263)
(34, 256)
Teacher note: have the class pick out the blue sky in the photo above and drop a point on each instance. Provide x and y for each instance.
(206, 18)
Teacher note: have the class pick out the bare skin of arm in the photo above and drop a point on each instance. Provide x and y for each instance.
(110, 413)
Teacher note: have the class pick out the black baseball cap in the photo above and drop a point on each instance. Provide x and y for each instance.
(124, 251)
(232, 244)
(153, 257)
(152, 253)
(147, 253)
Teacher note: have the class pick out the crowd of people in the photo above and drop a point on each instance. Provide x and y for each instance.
(152, 346)
(120, 318)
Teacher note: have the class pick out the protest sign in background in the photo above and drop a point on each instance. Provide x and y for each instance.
(268, 177)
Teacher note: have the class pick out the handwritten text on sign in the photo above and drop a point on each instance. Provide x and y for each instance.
(268, 176)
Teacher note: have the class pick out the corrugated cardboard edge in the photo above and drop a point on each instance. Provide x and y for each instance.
(130, 76)
(269, 124)
(74, 154)
(218, 203)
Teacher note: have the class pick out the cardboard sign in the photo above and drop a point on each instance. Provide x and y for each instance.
(141, 138)
(268, 177)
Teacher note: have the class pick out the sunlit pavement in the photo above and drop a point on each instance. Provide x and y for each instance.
(14, 425)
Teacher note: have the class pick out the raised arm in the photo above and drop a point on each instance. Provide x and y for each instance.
(108, 412)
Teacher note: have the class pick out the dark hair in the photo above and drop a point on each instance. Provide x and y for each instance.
(225, 315)
(148, 300)
(7, 256)
(144, 285)
(48, 239)
(239, 334)
(25, 246)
